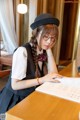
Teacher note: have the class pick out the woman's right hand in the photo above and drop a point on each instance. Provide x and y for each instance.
(50, 77)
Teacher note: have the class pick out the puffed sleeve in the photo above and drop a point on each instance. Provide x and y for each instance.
(19, 64)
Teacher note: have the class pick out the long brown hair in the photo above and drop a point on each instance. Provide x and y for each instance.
(46, 29)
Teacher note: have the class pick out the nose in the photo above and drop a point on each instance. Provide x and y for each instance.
(49, 40)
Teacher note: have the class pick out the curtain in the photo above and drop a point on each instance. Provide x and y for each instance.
(7, 25)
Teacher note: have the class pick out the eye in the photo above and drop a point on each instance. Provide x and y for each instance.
(45, 37)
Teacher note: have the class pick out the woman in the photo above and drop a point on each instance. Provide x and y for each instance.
(33, 64)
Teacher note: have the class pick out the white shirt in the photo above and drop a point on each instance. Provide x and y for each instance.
(19, 64)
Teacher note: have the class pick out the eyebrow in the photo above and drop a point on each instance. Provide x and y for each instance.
(50, 35)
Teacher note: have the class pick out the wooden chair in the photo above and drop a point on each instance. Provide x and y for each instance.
(7, 61)
(4, 73)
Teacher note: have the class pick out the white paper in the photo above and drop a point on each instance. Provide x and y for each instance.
(73, 82)
(68, 88)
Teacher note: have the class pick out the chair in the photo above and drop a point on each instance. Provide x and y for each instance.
(5, 61)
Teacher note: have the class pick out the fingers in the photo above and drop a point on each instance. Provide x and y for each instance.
(53, 77)
(57, 76)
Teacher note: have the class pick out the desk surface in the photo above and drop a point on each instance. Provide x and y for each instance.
(39, 106)
(70, 70)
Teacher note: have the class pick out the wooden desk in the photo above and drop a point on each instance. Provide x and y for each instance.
(40, 106)
(70, 70)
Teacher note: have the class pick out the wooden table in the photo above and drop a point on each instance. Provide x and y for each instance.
(40, 106)
(70, 70)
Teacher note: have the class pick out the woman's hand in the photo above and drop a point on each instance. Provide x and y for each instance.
(50, 77)
(52, 45)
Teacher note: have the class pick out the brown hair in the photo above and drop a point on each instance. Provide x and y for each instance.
(46, 29)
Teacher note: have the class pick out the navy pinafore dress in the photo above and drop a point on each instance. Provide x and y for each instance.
(10, 97)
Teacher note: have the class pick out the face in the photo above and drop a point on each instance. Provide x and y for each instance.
(47, 41)
(47, 36)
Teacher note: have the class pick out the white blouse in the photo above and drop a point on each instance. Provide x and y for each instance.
(19, 63)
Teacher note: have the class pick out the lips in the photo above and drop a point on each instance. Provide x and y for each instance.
(46, 46)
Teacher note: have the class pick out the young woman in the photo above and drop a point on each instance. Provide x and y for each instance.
(33, 63)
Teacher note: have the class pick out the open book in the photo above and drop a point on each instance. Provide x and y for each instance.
(68, 88)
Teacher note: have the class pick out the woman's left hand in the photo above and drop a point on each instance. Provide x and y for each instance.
(51, 77)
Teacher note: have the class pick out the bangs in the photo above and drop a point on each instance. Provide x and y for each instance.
(50, 30)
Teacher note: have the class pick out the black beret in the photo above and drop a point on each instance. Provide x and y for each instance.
(44, 19)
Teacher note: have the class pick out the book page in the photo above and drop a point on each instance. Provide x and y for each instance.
(70, 81)
(68, 88)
